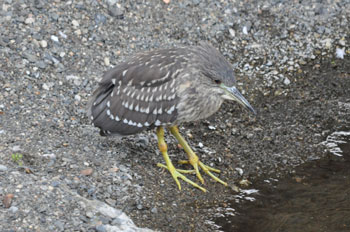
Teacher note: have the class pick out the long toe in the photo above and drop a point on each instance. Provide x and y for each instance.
(176, 173)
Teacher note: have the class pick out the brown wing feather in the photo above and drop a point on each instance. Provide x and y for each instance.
(138, 94)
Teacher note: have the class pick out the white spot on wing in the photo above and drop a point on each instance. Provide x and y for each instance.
(117, 118)
(108, 112)
(113, 81)
(146, 124)
(108, 104)
(111, 116)
(170, 111)
(155, 111)
(158, 123)
(160, 111)
(139, 125)
(137, 108)
(125, 121)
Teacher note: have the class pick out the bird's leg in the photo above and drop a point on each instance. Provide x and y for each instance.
(193, 158)
(169, 165)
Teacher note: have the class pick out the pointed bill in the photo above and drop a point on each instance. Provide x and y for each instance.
(232, 93)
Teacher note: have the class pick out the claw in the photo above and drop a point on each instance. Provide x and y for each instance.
(176, 173)
(194, 160)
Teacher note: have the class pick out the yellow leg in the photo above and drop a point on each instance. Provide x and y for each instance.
(193, 158)
(169, 165)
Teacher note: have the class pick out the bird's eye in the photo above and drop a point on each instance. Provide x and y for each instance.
(218, 82)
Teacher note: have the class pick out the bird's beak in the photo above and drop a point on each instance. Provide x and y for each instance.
(232, 93)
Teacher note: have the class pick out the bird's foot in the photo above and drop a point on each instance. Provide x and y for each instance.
(177, 173)
(208, 170)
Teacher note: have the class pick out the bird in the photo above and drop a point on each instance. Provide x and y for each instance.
(162, 89)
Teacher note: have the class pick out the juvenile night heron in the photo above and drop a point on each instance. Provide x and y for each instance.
(164, 88)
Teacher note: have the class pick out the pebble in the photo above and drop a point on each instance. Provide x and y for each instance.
(154, 210)
(13, 209)
(286, 81)
(77, 98)
(29, 20)
(106, 61)
(16, 148)
(59, 224)
(75, 23)
(87, 172)
(340, 52)
(54, 38)
(3, 168)
(101, 228)
(46, 86)
(7, 200)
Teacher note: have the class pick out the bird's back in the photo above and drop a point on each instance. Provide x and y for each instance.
(139, 93)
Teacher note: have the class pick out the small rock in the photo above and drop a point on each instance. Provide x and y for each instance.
(340, 52)
(16, 148)
(13, 209)
(232, 32)
(286, 81)
(106, 61)
(29, 20)
(77, 98)
(59, 225)
(200, 145)
(342, 42)
(116, 12)
(101, 228)
(64, 36)
(87, 172)
(7, 201)
(54, 38)
(3, 168)
(89, 214)
(154, 210)
(240, 171)
(75, 23)
(45, 86)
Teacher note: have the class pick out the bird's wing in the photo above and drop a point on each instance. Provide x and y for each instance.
(138, 94)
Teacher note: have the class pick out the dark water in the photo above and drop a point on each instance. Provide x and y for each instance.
(315, 198)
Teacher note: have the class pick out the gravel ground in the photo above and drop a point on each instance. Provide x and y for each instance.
(65, 177)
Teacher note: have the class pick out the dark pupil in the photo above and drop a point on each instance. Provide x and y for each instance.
(218, 82)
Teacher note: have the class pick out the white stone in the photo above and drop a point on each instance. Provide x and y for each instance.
(106, 61)
(75, 23)
(54, 38)
(286, 81)
(340, 52)
(29, 20)
(43, 43)
(77, 98)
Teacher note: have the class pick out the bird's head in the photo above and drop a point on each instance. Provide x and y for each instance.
(221, 75)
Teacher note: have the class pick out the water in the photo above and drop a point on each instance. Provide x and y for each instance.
(315, 198)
